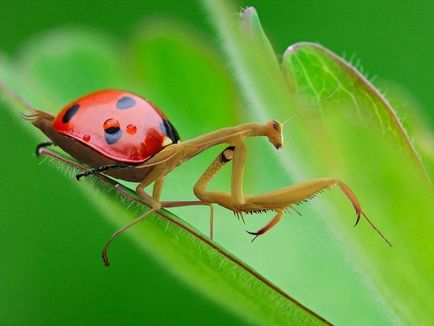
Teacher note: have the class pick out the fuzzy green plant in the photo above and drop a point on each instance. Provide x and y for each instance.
(338, 125)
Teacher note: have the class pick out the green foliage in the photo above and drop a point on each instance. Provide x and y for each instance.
(339, 126)
(367, 140)
(202, 264)
(349, 131)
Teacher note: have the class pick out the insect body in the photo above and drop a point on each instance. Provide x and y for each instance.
(117, 124)
(126, 137)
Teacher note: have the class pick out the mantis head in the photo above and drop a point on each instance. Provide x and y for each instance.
(274, 133)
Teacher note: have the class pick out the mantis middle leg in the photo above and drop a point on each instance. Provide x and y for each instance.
(152, 202)
(155, 204)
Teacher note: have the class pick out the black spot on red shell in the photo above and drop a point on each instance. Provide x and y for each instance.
(70, 113)
(111, 126)
(112, 131)
(125, 102)
(171, 131)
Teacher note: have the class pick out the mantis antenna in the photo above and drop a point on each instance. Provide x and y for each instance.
(317, 104)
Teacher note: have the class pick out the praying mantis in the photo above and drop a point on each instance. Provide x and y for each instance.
(126, 137)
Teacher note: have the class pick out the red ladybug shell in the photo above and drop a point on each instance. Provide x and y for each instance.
(117, 124)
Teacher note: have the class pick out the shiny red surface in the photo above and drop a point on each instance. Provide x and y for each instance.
(141, 126)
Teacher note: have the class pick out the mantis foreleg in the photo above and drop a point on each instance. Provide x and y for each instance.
(277, 200)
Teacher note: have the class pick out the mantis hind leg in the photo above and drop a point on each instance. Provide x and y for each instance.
(168, 204)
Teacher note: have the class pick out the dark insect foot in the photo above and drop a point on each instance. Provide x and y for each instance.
(105, 259)
(84, 174)
(41, 146)
(256, 234)
(101, 169)
(357, 217)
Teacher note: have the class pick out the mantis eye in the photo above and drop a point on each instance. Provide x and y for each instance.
(276, 125)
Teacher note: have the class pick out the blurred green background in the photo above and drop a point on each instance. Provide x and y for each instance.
(51, 272)
(392, 40)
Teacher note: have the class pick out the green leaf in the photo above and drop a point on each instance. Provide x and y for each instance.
(89, 61)
(341, 126)
(333, 77)
(413, 119)
(372, 152)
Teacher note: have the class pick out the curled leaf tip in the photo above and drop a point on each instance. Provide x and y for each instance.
(250, 20)
(249, 11)
(294, 47)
